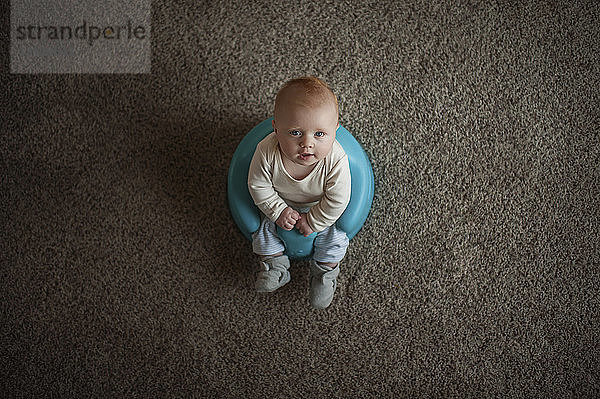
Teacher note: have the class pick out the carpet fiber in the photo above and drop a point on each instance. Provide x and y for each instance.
(477, 273)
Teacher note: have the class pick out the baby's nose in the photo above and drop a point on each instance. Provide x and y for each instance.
(306, 143)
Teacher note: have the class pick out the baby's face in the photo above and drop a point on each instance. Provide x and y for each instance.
(306, 133)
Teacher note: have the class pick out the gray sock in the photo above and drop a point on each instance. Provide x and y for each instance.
(273, 273)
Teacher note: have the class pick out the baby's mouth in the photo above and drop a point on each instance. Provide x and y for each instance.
(305, 156)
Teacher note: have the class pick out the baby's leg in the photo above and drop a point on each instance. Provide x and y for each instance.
(330, 248)
(265, 242)
(273, 266)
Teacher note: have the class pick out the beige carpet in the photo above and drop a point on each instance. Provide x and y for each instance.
(477, 273)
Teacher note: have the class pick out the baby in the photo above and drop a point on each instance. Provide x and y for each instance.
(299, 178)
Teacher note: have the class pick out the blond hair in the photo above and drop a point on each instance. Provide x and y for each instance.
(314, 92)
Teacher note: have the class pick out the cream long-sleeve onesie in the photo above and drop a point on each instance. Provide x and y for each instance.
(326, 190)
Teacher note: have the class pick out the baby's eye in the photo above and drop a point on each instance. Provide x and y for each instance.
(295, 133)
(319, 134)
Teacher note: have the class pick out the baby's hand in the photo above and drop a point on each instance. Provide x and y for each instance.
(303, 226)
(287, 219)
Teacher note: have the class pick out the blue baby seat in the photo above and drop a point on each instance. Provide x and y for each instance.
(247, 216)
